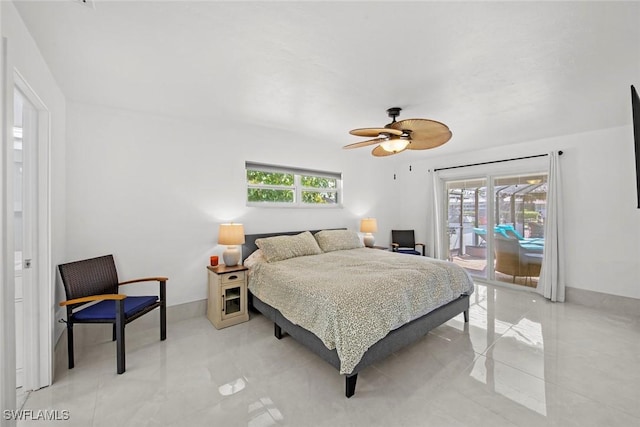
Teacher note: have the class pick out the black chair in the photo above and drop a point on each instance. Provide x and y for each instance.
(404, 241)
(95, 281)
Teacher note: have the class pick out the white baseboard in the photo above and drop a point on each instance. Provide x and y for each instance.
(605, 302)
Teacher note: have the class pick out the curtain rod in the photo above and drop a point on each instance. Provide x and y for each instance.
(494, 161)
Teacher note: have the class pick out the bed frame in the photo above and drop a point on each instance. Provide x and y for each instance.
(392, 342)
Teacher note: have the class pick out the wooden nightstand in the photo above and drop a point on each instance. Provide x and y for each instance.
(227, 304)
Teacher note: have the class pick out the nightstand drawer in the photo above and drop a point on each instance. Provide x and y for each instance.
(232, 277)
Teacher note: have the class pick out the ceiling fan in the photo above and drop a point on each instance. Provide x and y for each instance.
(409, 134)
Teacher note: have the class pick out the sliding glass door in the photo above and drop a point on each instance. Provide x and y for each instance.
(467, 218)
(495, 226)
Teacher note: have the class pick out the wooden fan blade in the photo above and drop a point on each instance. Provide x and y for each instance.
(375, 131)
(420, 127)
(365, 143)
(426, 143)
(381, 152)
(424, 133)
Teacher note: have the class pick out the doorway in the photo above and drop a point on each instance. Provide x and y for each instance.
(495, 228)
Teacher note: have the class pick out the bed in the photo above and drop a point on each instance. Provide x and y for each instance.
(351, 305)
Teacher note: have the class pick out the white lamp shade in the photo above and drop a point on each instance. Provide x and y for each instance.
(394, 145)
(368, 225)
(231, 234)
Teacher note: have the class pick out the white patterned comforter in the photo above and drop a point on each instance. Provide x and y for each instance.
(353, 298)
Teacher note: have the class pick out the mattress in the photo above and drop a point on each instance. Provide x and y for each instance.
(351, 299)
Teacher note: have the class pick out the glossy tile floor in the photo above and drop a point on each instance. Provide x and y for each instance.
(521, 361)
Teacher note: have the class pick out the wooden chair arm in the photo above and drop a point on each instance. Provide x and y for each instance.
(420, 244)
(93, 298)
(395, 245)
(145, 279)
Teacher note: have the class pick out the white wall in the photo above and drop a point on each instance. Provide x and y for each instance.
(152, 190)
(602, 221)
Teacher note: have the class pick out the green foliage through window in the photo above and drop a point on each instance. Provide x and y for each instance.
(267, 195)
(291, 187)
(317, 182)
(269, 178)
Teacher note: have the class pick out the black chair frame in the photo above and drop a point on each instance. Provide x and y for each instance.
(94, 280)
(405, 239)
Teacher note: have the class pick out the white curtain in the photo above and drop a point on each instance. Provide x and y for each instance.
(551, 283)
(436, 215)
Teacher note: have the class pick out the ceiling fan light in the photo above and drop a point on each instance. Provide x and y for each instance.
(394, 145)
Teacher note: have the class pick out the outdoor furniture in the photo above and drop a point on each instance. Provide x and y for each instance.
(404, 241)
(529, 244)
(511, 259)
(482, 235)
(534, 264)
(95, 281)
(509, 230)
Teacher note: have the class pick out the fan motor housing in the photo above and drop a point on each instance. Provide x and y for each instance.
(394, 112)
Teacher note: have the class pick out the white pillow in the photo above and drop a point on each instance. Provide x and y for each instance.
(255, 258)
(338, 240)
(283, 247)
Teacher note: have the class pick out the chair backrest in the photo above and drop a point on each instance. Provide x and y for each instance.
(508, 255)
(404, 238)
(95, 276)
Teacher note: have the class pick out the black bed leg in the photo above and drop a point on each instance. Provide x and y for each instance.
(466, 316)
(277, 331)
(350, 385)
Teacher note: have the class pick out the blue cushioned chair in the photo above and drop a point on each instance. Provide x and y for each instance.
(404, 241)
(509, 231)
(95, 281)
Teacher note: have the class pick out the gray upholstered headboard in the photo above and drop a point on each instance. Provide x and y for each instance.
(250, 247)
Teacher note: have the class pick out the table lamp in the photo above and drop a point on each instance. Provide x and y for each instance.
(368, 226)
(231, 235)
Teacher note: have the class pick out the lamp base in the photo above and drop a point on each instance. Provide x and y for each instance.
(369, 240)
(231, 256)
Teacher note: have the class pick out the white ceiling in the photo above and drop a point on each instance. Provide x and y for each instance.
(495, 72)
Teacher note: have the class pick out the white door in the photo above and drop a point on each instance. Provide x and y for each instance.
(24, 143)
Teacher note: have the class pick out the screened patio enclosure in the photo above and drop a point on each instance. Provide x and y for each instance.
(514, 206)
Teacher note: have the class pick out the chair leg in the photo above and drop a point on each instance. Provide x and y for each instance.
(113, 335)
(163, 310)
(120, 336)
(70, 344)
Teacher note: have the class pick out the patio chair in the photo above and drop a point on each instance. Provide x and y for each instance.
(404, 241)
(509, 230)
(511, 259)
(482, 235)
(95, 281)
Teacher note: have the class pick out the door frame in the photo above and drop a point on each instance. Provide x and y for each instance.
(488, 172)
(39, 294)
